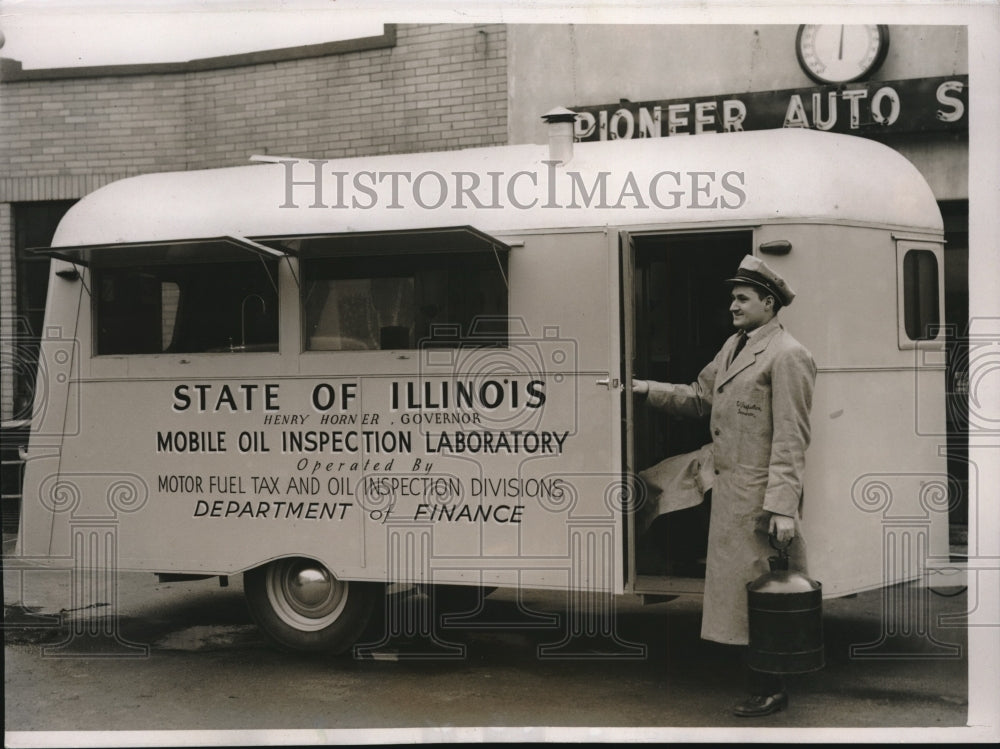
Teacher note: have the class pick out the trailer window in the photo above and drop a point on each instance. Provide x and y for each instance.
(405, 301)
(920, 295)
(186, 308)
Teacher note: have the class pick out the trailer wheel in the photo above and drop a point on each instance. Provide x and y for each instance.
(300, 605)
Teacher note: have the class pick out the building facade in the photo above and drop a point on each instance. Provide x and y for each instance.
(440, 87)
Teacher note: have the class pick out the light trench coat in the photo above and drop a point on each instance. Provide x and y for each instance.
(759, 406)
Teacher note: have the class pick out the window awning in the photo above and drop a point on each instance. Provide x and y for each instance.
(416, 241)
(236, 249)
(134, 254)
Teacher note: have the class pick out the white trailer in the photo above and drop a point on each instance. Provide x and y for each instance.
(331, 375)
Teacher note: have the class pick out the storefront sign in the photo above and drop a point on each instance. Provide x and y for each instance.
(872, 109)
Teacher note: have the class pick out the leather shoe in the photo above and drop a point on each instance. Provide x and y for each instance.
(759, 705)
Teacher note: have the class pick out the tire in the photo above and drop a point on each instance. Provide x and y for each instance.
(301, 606)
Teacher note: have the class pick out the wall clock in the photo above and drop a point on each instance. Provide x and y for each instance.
(829, 53)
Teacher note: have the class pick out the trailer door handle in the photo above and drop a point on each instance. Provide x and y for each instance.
(608, 383)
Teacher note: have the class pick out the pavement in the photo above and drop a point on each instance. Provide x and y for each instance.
(190, 657)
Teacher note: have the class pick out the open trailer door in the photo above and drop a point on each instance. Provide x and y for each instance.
(675, 319)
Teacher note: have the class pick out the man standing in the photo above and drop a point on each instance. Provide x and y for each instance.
(758, 393)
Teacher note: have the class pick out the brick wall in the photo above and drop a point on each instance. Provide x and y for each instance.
(91, 125)
(438, 87)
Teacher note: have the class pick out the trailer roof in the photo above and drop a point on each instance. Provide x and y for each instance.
(752, 177)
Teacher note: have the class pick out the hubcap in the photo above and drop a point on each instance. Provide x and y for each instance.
(304, 593)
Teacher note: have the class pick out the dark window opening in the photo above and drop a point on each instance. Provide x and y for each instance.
(681, 320)
(34, 226)
(920, 295)
(189, 308)
(956, 316)
(381, 302)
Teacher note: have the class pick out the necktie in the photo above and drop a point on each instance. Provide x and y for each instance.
(740, 343)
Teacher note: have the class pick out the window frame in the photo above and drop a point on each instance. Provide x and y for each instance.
(903, 248)
(97, 277)
(384, 245)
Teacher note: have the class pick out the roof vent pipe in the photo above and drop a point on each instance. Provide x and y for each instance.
(560, 125)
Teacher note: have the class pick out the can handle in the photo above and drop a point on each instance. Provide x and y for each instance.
(773, 539)
(779, 562)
